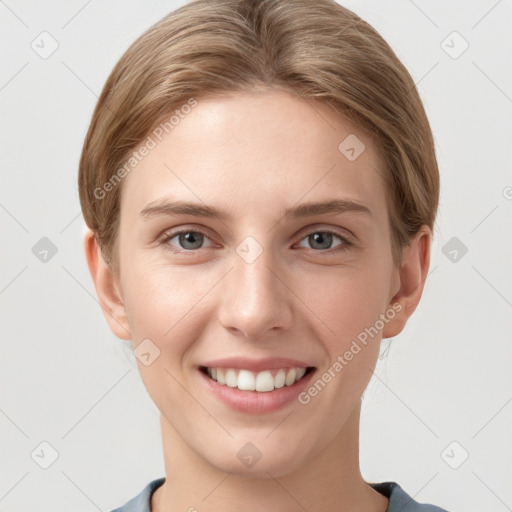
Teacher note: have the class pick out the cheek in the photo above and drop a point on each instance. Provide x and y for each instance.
(163, 305)
(348, 300)
(161, 301)
(351, 305)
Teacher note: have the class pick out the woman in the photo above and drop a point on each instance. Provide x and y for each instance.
(261, 186)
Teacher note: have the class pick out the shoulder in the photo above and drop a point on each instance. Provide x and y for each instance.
(400, 501)
(141, 502)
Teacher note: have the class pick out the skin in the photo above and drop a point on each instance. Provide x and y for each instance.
(255, 154)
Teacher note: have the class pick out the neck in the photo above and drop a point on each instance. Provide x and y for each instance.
(329, 481)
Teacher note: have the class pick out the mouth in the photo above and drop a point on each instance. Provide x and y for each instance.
(263, 382)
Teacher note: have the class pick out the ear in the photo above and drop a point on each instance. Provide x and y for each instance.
(411, 276)
(107, 288)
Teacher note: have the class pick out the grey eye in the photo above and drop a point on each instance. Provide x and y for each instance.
(322, 240)
(188, 240)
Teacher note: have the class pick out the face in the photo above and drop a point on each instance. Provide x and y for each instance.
(268, 286)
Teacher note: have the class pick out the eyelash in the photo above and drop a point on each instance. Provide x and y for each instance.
(346, 244)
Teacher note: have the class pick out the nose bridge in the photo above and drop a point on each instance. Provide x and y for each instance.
(255, 301)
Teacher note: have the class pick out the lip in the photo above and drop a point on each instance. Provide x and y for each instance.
(256, 402)
(256, 365)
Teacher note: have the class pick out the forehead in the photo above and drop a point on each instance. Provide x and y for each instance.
(251, 151)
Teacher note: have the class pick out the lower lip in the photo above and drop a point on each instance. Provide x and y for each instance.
(256, 402)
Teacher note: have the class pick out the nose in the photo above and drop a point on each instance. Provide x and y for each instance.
(256, 301)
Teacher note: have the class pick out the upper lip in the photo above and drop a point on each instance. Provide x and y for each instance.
(255, 365)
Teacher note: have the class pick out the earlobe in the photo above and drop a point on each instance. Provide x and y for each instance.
(412, 276)
(106, 287)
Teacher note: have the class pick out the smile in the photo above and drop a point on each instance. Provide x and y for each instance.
(264, 381)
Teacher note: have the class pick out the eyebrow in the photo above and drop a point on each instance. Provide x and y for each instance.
(167, 207)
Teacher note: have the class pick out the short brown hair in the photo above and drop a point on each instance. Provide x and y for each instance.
(315, 48)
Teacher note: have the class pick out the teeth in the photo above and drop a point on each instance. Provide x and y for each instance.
(290, 377)
(231, 379)
(279, 379)
(246, 380)
(265, 381)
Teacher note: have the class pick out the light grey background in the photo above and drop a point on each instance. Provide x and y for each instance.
(66, 380)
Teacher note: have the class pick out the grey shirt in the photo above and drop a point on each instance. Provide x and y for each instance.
(399, 500)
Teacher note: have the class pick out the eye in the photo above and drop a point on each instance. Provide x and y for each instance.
(323, 239)
(188, 239)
